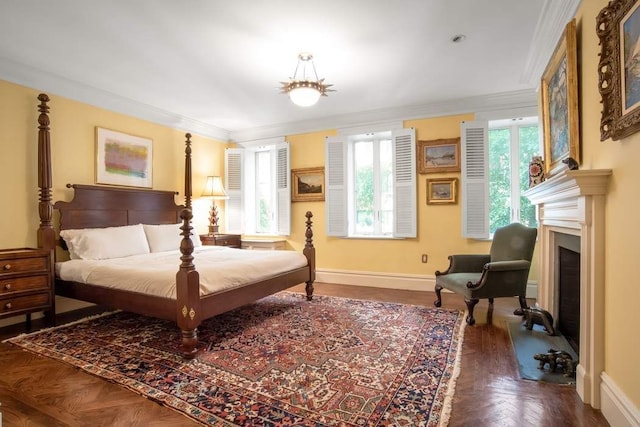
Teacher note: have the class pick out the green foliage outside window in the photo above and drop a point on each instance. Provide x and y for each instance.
(500, 163)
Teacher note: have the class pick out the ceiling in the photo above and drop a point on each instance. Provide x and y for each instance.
(215, 67)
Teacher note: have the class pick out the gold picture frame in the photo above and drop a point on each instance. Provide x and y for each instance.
(439, 155)
(442, 191)
(619, 69)
(123, 159)
(307, 184)
(559, 92)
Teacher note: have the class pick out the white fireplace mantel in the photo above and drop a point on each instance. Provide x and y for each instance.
(573, 202)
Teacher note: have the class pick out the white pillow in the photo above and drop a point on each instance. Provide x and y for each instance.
(166, 237)
(105, 243)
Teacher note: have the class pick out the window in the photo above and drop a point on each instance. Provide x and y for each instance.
(257, 178)
(512, 144)
(371, 189)
(495, 172)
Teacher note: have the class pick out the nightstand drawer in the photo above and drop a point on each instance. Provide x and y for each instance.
(20, 284)
(27, 302)
(232, 240)
(21, 265)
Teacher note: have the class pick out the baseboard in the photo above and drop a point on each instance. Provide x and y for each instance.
(616, 406)
(412, 282)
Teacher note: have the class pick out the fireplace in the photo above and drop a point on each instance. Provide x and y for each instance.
(568, 318)
(571, 208)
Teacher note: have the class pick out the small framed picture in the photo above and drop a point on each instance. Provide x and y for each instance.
(123, 159)
(441, 191)
(439, 155)
(307, 184)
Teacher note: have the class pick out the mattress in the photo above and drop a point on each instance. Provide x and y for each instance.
(220, 268)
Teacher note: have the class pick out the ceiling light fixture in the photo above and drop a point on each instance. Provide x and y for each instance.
(303, 91)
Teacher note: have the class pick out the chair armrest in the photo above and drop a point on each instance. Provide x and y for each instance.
(466, 263)
(494, 269)
(518, 264)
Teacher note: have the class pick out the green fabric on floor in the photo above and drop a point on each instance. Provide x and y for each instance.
(528, 343)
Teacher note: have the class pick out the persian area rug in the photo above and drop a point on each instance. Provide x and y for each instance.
(281, 361)
(527, 343)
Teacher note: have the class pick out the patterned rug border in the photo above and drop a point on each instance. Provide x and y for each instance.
(455, 347)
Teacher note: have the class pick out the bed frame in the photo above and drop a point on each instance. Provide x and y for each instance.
(101, 206)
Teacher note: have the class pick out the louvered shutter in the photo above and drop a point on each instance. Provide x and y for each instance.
(234, 162)
(283, 189)
(475, 180)
(404, 178)
(336, 185)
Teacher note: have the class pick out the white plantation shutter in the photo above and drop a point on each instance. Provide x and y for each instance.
(404, 178)
(336, 185)
(234, 180)
(475, 180)
(283, 189)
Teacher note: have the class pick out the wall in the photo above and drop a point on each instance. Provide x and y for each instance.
(72, 151)
(622, 292)
(439, 226)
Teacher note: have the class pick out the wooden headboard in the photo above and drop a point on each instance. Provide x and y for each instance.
(98, 206)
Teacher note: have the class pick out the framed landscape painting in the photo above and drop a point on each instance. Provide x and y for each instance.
(307, 184)
(559, 91)
(618, 27)
(123, 159)
(441, 191)
(439, 155)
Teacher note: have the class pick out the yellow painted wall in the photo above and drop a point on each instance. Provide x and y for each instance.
(622, 237)
(439, 226)
(73, 154)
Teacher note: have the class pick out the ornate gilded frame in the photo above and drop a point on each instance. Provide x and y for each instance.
(307, 184)
(619, 64)
(439, 155)
(442, 191)
(559, 93)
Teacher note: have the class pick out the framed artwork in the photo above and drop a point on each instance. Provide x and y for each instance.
(441, 191)
(307, 184)
(559, 91)
(618, 27)
(439, 155)
(123, 159)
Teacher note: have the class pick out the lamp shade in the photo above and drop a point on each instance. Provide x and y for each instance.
(214, 188)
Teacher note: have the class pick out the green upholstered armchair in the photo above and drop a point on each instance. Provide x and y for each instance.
(502, 273)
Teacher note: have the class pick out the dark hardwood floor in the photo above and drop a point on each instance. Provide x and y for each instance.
(37, 391)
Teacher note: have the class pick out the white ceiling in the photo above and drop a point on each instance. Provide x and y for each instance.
(214, 67)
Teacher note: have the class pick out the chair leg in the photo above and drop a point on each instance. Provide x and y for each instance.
(438, 301)
(523, 305)
(491, 301)
(471, 303)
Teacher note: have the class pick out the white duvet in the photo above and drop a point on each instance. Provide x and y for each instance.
(219, 267)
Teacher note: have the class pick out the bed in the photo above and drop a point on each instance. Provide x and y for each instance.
(96, 209)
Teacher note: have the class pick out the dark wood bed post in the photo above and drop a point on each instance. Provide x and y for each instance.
(46, 234)
(187, 278)
(310, 252)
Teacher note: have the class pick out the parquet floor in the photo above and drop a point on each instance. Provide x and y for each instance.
(36, 391)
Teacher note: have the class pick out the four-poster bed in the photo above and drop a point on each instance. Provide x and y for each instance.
(100, 208)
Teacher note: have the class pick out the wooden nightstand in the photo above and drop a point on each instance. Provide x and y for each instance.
(26, 283)
(231, 240)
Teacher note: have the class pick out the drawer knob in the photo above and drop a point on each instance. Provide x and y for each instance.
(7, 287)
(6, 267)
(8, 306)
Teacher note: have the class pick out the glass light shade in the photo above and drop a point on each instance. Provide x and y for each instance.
(304, 96)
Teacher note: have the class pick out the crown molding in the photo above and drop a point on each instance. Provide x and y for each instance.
(25, 75)
(551, 23)
(485, 103)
